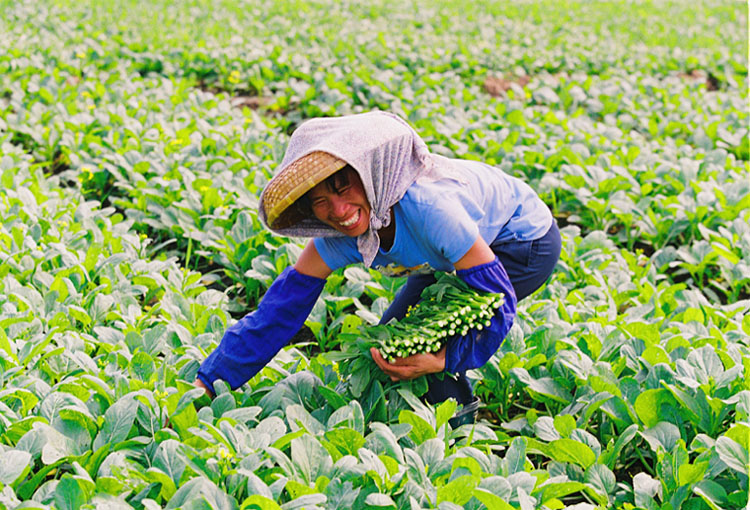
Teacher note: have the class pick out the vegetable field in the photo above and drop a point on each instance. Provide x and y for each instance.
(135, 138)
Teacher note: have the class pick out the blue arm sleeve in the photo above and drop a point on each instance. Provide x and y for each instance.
(476, 347)
(253, 341)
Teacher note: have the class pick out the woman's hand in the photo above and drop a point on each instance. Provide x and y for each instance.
(199, 384)
(404, 369)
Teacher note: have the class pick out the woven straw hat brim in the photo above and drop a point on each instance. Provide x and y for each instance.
(286, 187)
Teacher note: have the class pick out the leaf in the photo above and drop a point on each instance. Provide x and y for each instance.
(187, 398)
(693, 314)
(297, 489)
(706, 362)
(380, 500)
(79, 314)
(645, 331)
(544, 386)
(515, 457)
(14, 464)
(170, 460)
(712, 493)
(332, 397)
(740, 433)
(298, 417)
(70, 493)
(491, 501)
(610, 456)
(118, 420)
(544, 429)
(662, 436)
(550, 491)
(444, 412)
(459, 490)
(568, 450)
(601, 478)
(347, 440)
(655, 354)
(688, 474)
(55, 446)
(565, 424)
(341, 495)
(311, 458)
(257, 502)
(526, 501)
(142, 366)
(733, 454)
(421, 430)
(168, 487)
(645, 489)
(384, 440)
(350, 416)
(648, 405)
(201, 488)
(310, 501)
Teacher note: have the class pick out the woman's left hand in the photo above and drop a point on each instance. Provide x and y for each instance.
(404, 369)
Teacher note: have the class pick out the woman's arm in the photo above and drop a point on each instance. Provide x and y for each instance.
(423, 364)
(480, 253)
(311, 263)
(255, 339)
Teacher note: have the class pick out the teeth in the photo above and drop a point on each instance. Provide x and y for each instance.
(351, 221)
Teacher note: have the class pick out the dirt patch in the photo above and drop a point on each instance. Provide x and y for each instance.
(239, 98)
(498, 85)
(252, 102)
(699, 75)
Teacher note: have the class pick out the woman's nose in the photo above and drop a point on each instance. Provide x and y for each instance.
(338, 206)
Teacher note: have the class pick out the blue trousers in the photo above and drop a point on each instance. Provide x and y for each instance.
(528, 264)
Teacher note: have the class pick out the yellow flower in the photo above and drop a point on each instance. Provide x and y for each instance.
(81, 54)
(234, 77)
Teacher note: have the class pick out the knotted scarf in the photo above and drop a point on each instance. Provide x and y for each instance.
(387, 154)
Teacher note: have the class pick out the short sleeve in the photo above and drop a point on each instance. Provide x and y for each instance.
(450, 227)
(338, 252)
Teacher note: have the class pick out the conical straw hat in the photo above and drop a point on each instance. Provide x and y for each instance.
(292, 182)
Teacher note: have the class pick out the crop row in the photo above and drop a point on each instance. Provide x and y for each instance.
(131, 159)
(101, 343)
(186, 166)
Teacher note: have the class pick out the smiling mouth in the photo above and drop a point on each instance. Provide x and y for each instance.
(351, 221)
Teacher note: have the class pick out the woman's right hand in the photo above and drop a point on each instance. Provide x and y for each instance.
(199, 384)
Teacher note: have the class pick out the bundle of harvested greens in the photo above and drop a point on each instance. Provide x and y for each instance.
(448, 307)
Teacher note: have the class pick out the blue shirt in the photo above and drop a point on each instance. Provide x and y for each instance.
(437, 222)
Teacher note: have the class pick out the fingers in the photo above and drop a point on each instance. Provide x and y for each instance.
(382, 364)
(403, 369)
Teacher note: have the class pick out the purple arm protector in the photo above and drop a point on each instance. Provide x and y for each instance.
(476, 347)
(253, 341)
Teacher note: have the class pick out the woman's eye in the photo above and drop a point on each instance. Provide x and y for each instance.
(343, 189)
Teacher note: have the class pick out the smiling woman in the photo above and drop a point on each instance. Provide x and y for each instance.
(367, 190)
(340, 202)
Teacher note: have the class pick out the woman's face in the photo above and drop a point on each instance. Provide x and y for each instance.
(343, 206)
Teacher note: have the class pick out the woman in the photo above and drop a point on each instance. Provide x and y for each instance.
(367, 190)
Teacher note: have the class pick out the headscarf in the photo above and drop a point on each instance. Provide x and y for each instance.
(384, 150)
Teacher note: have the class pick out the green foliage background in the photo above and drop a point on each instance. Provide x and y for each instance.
(134, 141)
